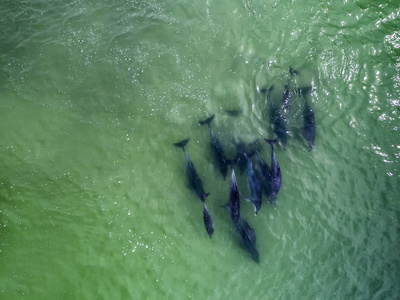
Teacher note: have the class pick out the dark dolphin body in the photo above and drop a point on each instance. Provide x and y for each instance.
(279, 125)
(216, 149)
(234, 200)
(264, 174)
(197, 186)
(248, 238)
(208, 222)
(254, 185)
(276, 118)
(309, 121)
(276, 176)
(194, 180)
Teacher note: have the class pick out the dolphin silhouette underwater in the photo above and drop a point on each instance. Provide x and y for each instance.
(263, 173)
(309, 120)
(276, 118)
(234, 198)
(276, 175)
(254, 185)
(196, 185)
(287, 92)
(241, 159)
(216, 149)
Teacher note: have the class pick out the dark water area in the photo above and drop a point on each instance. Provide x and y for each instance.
(94, 200)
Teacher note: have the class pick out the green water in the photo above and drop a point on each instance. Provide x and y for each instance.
(93, 197)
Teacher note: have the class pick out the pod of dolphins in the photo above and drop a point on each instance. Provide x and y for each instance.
(261, 177)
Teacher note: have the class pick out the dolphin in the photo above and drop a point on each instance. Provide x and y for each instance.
(208, 222)
(263, 173)
(276, 118)
(216, 148)
(309, 121)
(240, 150)
(234, 199)
(254, 185)
(276, 176)
(197, 186)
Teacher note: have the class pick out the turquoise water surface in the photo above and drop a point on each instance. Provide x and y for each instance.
(94, 202)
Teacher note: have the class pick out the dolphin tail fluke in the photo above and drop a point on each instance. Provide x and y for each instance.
(232, 162)
(255, 207)
(249, 155)
(182, 144)
(205, 195)
(271, 142)
(207, 121)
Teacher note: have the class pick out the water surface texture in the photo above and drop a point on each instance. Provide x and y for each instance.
(94, 202)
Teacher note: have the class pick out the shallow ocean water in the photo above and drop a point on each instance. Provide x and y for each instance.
(93, 196)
